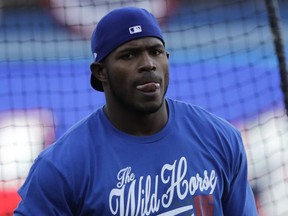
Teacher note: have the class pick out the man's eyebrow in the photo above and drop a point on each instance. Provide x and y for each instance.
(129, 49)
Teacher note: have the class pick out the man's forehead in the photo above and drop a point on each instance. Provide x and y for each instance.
(141, 42)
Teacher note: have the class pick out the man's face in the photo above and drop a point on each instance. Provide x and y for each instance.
(138, 75)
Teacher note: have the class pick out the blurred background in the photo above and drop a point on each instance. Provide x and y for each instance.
(228, 56)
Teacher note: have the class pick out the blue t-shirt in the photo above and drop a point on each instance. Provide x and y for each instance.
(196, 165)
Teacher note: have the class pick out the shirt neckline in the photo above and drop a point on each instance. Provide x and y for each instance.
(113, 131)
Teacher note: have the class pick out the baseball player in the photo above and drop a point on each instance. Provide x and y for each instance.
(142, 153)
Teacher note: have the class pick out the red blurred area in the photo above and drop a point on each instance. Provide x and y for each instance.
(8, 202)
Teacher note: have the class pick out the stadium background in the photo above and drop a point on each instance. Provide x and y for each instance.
(222, 58)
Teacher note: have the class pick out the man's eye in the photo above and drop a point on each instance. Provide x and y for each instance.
(157, 52)
(127, 56)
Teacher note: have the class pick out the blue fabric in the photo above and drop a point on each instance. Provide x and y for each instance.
(120, 26)
(195, 165)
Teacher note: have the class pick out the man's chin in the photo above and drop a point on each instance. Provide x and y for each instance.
(150, 107)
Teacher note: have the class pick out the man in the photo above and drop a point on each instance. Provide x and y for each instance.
(141, 153)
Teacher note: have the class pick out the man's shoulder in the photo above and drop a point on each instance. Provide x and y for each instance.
(78, 136)
(183, 108)
(199, 115)
(84, 127)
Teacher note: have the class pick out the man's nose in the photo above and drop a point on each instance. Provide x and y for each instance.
(147, 62)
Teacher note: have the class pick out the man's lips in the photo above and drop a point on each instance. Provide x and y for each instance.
(148, 87)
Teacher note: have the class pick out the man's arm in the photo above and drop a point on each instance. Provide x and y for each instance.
(239, 198)
(45, 192)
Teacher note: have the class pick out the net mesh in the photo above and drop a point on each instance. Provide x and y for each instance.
(222, 57)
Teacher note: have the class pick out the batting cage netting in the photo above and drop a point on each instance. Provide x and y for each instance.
(228, 56)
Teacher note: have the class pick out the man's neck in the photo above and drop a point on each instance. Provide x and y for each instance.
(138, 124)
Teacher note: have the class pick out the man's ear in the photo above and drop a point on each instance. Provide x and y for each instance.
(167, 54)
(98, 71)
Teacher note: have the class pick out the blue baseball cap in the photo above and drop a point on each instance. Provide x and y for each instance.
(118, 27)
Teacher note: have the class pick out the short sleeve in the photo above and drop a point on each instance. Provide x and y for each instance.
(45, 192)
(239, 198)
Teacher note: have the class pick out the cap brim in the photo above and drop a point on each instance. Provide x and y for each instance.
(96, 84)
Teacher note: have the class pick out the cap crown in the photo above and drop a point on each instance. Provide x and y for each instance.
(120, 26)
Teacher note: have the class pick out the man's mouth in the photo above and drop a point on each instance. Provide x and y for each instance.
(148, 87)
